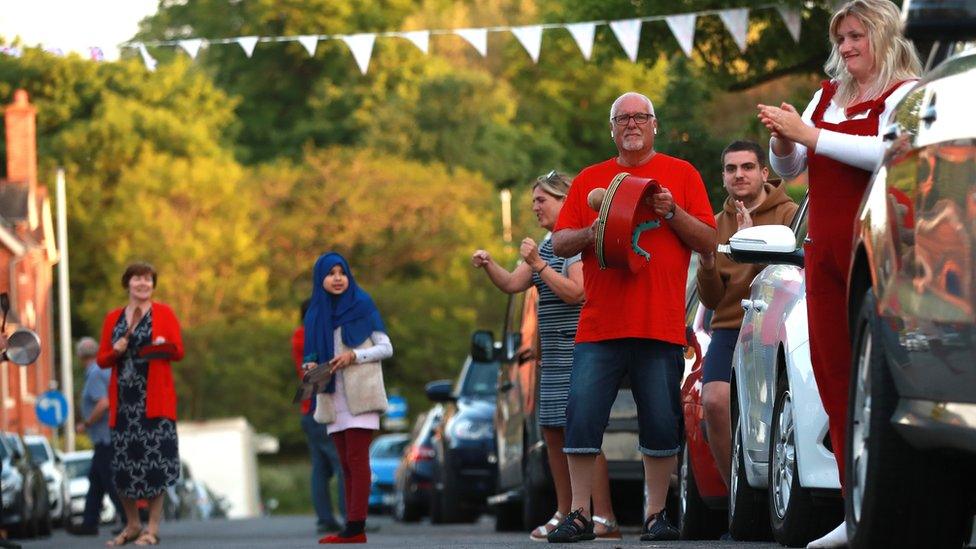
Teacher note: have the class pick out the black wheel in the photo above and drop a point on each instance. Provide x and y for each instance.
(42, 525)
(696, 520)
(795, 518)
(508, 517)
(403, 509)
(748, 515)
(540, 499)
(898, 496)
(446, 498)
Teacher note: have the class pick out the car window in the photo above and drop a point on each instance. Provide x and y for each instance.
(38, 452)
(799, 223)
(77, 468)
(480, 379)
(387, 447)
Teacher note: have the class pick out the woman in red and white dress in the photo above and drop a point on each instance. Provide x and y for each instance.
(837, 138)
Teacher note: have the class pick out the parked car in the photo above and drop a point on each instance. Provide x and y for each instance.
(912, 305)
(54, 476)
(384, 456)
(464, 440)
(414, 476)
(26, 502)
(77, 465)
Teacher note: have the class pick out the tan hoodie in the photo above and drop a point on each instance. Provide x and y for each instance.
(723, 287)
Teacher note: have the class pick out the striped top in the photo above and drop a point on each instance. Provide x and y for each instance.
(555, 315)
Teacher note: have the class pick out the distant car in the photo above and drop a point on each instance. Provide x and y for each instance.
(464, 440)
(54, 476)
(26, 502)
(384, 456)
(414, 476)
(77, 466)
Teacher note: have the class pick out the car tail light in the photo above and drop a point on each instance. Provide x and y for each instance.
(420, 453)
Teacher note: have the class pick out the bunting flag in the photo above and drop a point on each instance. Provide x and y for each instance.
(95, 53)
(12, 51)
(146, 58)
(683, 28)
(55, 51)
(476, 37)
(737, 21)
(421, 39)
(531, 39)
(191, 46)
(247, 44)
(627, 32)
(583, 35)
(361, 46)
(310, 42)
(792, 19)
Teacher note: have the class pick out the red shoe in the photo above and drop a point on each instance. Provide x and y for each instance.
(335, 538)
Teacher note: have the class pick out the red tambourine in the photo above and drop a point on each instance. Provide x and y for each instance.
(625, 214)
(158, 351)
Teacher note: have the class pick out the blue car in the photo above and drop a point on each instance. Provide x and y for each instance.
(384, 457)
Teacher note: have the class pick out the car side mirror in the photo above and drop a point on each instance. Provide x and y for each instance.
(483, 346)
(440, 391)
(764, 244)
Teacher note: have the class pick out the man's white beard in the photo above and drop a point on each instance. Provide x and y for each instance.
(632, 144)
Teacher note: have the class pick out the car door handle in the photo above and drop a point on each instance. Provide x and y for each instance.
(746, 304)
(930, 114)
(893, 132)
(759, 305)
(505, 387)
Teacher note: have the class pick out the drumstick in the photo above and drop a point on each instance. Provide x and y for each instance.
(136, 317)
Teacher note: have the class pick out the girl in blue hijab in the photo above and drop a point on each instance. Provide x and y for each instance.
(343, 328)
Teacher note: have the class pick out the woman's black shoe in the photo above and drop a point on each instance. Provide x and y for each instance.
(574, 527)
(661, 530)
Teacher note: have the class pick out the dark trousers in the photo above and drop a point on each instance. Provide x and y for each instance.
(325, 465)
(100, 483)
(353, 446)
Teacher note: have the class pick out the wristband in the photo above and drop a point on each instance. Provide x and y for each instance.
(539, 272)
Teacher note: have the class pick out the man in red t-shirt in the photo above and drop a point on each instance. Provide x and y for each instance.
(631, 323)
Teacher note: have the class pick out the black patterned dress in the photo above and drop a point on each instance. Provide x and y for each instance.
(146, 459)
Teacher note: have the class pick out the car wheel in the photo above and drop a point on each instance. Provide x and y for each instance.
(696, 520)
(897, 495)
(43, 525)
(508, 517)
(540, 501)
(403, 510)
(748, 515)
(794, 516)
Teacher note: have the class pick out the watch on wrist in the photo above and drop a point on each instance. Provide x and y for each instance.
(670, 214)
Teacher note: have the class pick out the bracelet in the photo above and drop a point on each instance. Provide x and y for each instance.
(539, 272)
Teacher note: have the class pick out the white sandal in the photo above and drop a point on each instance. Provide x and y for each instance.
(540, 533)
(613, 529)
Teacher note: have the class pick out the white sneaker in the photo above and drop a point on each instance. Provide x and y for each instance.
(835, 538)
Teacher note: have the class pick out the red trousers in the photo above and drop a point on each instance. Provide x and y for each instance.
(353, 448)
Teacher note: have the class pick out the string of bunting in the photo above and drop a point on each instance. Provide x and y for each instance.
(627, 32)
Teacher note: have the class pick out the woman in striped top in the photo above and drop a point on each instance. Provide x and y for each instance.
(560, 285)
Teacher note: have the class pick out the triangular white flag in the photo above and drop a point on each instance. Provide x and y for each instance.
(583, 34)
(247, 44)
(737, 21)
(627, 32)
(476, 37)
(683, 27)
(791, 17)
(191, 46)
(310, 41)
(421, 39)
(361, 46)
(146, 58)
(531, 39)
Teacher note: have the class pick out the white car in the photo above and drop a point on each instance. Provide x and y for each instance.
(77, 464)
(54, 477)
(784, 474)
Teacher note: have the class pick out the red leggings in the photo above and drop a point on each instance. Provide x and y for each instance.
(353, 447)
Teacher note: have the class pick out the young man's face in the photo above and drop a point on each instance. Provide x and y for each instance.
(743, 176)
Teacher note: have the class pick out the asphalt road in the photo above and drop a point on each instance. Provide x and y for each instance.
(298, 531)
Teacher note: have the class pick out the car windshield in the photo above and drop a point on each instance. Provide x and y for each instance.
(387, 447)
(77, 468)
(38, 453)
(480, 379)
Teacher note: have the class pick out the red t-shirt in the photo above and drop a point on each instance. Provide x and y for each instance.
(648, 304)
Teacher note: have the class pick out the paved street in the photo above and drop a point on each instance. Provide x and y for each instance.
(297, 531)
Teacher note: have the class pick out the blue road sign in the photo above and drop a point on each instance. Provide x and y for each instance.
(397, 408)
(52, 408)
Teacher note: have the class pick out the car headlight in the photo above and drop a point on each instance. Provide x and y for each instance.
(467, 429)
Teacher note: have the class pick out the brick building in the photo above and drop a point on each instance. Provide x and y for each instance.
(27, 255)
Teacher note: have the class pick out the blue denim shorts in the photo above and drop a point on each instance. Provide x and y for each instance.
(655, 369)
(718, 358)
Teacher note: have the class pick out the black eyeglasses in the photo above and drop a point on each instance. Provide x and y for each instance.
(639, 118)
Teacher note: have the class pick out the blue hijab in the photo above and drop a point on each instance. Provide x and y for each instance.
(352, 310)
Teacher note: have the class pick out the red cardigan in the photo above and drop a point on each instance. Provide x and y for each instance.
(160, 389)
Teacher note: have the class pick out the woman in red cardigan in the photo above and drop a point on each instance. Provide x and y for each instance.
(138, 343)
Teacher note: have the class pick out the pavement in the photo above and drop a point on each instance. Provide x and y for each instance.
(299, 531)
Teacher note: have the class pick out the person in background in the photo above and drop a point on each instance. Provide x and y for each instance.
(325, 460)
(838, 140)
(345, 333)
(94, 421)
(560, 285)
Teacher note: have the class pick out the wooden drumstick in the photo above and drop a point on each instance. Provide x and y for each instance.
(595, 198)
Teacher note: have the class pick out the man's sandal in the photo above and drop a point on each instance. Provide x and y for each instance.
(124, 537)
(612, 532)
(541, 532)
(147, 538)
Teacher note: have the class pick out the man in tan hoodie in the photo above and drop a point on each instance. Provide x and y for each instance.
(722, 284)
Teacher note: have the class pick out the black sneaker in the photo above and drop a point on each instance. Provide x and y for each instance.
(660, 530)
(574, 527)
